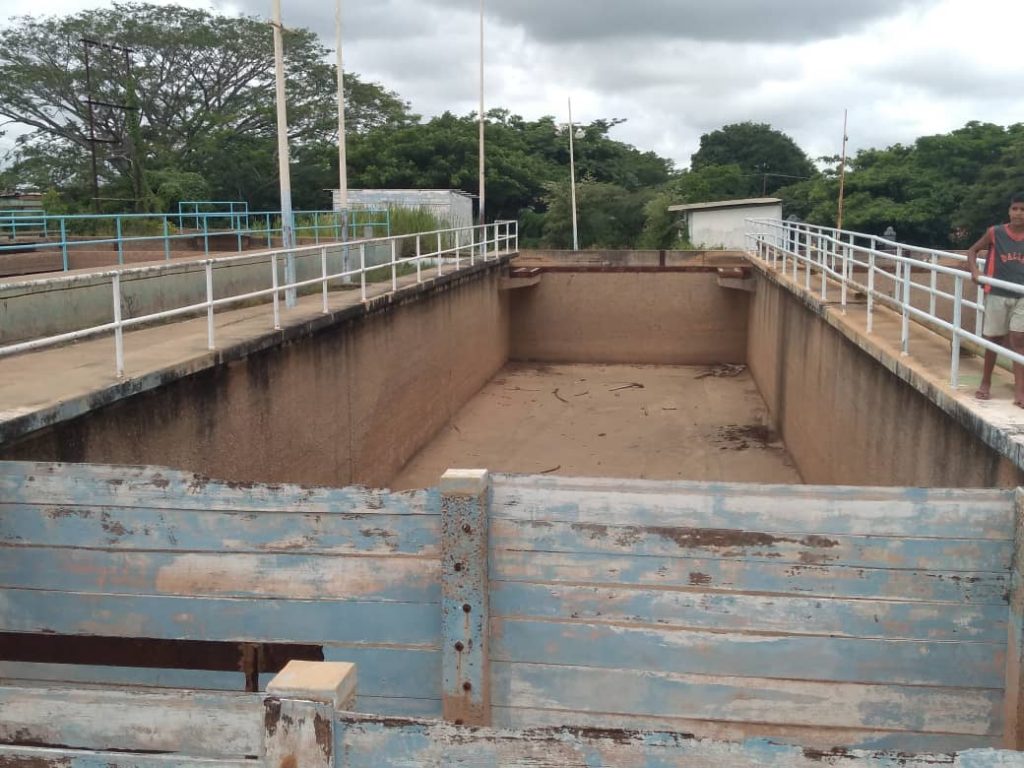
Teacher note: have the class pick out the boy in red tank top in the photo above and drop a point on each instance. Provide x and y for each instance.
(1004, 308)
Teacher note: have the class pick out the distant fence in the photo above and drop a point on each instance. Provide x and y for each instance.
(194, 227)
(825, 617)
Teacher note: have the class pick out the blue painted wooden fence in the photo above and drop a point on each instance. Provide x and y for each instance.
(823, 617)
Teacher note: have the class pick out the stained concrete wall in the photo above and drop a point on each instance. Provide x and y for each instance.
(654, 317)
(847, 419)
(348, 402)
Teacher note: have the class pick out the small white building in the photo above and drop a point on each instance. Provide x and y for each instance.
(449, 205)
(722, 224)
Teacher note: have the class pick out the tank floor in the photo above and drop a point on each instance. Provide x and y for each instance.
(631, 421)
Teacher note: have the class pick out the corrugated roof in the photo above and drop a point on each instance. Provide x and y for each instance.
(749, 202)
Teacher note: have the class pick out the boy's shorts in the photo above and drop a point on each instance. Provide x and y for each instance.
(1003, 314)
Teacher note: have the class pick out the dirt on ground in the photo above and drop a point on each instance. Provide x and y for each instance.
(631, 421)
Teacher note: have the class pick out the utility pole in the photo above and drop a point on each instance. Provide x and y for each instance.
(342, 151)
(572, 177)
(284, 171)
(483, 180)
(92, 103)
(842, 174)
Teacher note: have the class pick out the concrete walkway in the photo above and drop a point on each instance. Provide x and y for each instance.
(51, 385)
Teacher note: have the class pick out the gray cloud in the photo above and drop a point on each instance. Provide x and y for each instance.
(728, 20)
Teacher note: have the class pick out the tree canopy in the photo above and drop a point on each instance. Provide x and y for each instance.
(189, 113)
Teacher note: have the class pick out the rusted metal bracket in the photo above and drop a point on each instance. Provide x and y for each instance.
(465, 612)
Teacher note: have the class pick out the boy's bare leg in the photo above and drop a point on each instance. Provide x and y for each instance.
(984, 391)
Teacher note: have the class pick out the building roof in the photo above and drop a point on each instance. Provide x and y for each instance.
(750, 202)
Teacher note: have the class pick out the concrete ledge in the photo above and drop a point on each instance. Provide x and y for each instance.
(16, 421)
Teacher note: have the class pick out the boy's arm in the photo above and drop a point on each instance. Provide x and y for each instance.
(983, 244)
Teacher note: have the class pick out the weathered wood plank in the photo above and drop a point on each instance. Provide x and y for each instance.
(365, 742)
(37, 757)
(729, 699)
(397, 707)
(754, 546)
(805, 510)
(162, 488)
(737, 611)
(383, 673)
(768, 578)
(193, 530)
(825, 739)
(205, 574)
(839, 659)
(181, 722)
(20, 673)
(234, 619)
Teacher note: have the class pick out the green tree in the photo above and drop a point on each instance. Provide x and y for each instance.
(203, 85)
(768, 158)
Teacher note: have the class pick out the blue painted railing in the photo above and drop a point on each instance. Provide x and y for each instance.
(60, 233)
(29, 222)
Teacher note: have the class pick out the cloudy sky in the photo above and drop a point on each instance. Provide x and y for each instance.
(675, 69)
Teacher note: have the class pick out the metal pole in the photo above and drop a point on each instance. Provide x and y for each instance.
(342, 147)
(483, 181)
(958, 296)
(118, 330)
(209, 306)
(842, 174)
(277, 300)
(92, 131)
(284, 171)
(323, 275)
(572, 179)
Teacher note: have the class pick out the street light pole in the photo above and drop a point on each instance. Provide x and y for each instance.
(572, 178)
(342, 152)
(483, 180)
(284, 172)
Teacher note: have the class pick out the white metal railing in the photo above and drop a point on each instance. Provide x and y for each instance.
(801, 250)
(447, 250)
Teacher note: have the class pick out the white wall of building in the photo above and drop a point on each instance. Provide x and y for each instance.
(726, 227)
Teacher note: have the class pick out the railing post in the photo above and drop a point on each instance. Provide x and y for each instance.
(472, 249)
(871, 290)
(934, 285)
(120, 245)
(979, 313)
(845, 260)
(439, 258)
(958, 296)
(905, 334)
(809, 262)
(64, 244)
(299, 712)
(118, 330)
(206, 234)
(323, 276)
(277, 297)
(394, 265)
(209, 306)
(824, 276)
(167, 240)
(458, 253)
(362, 269)
(419, 256)
(465, 610)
